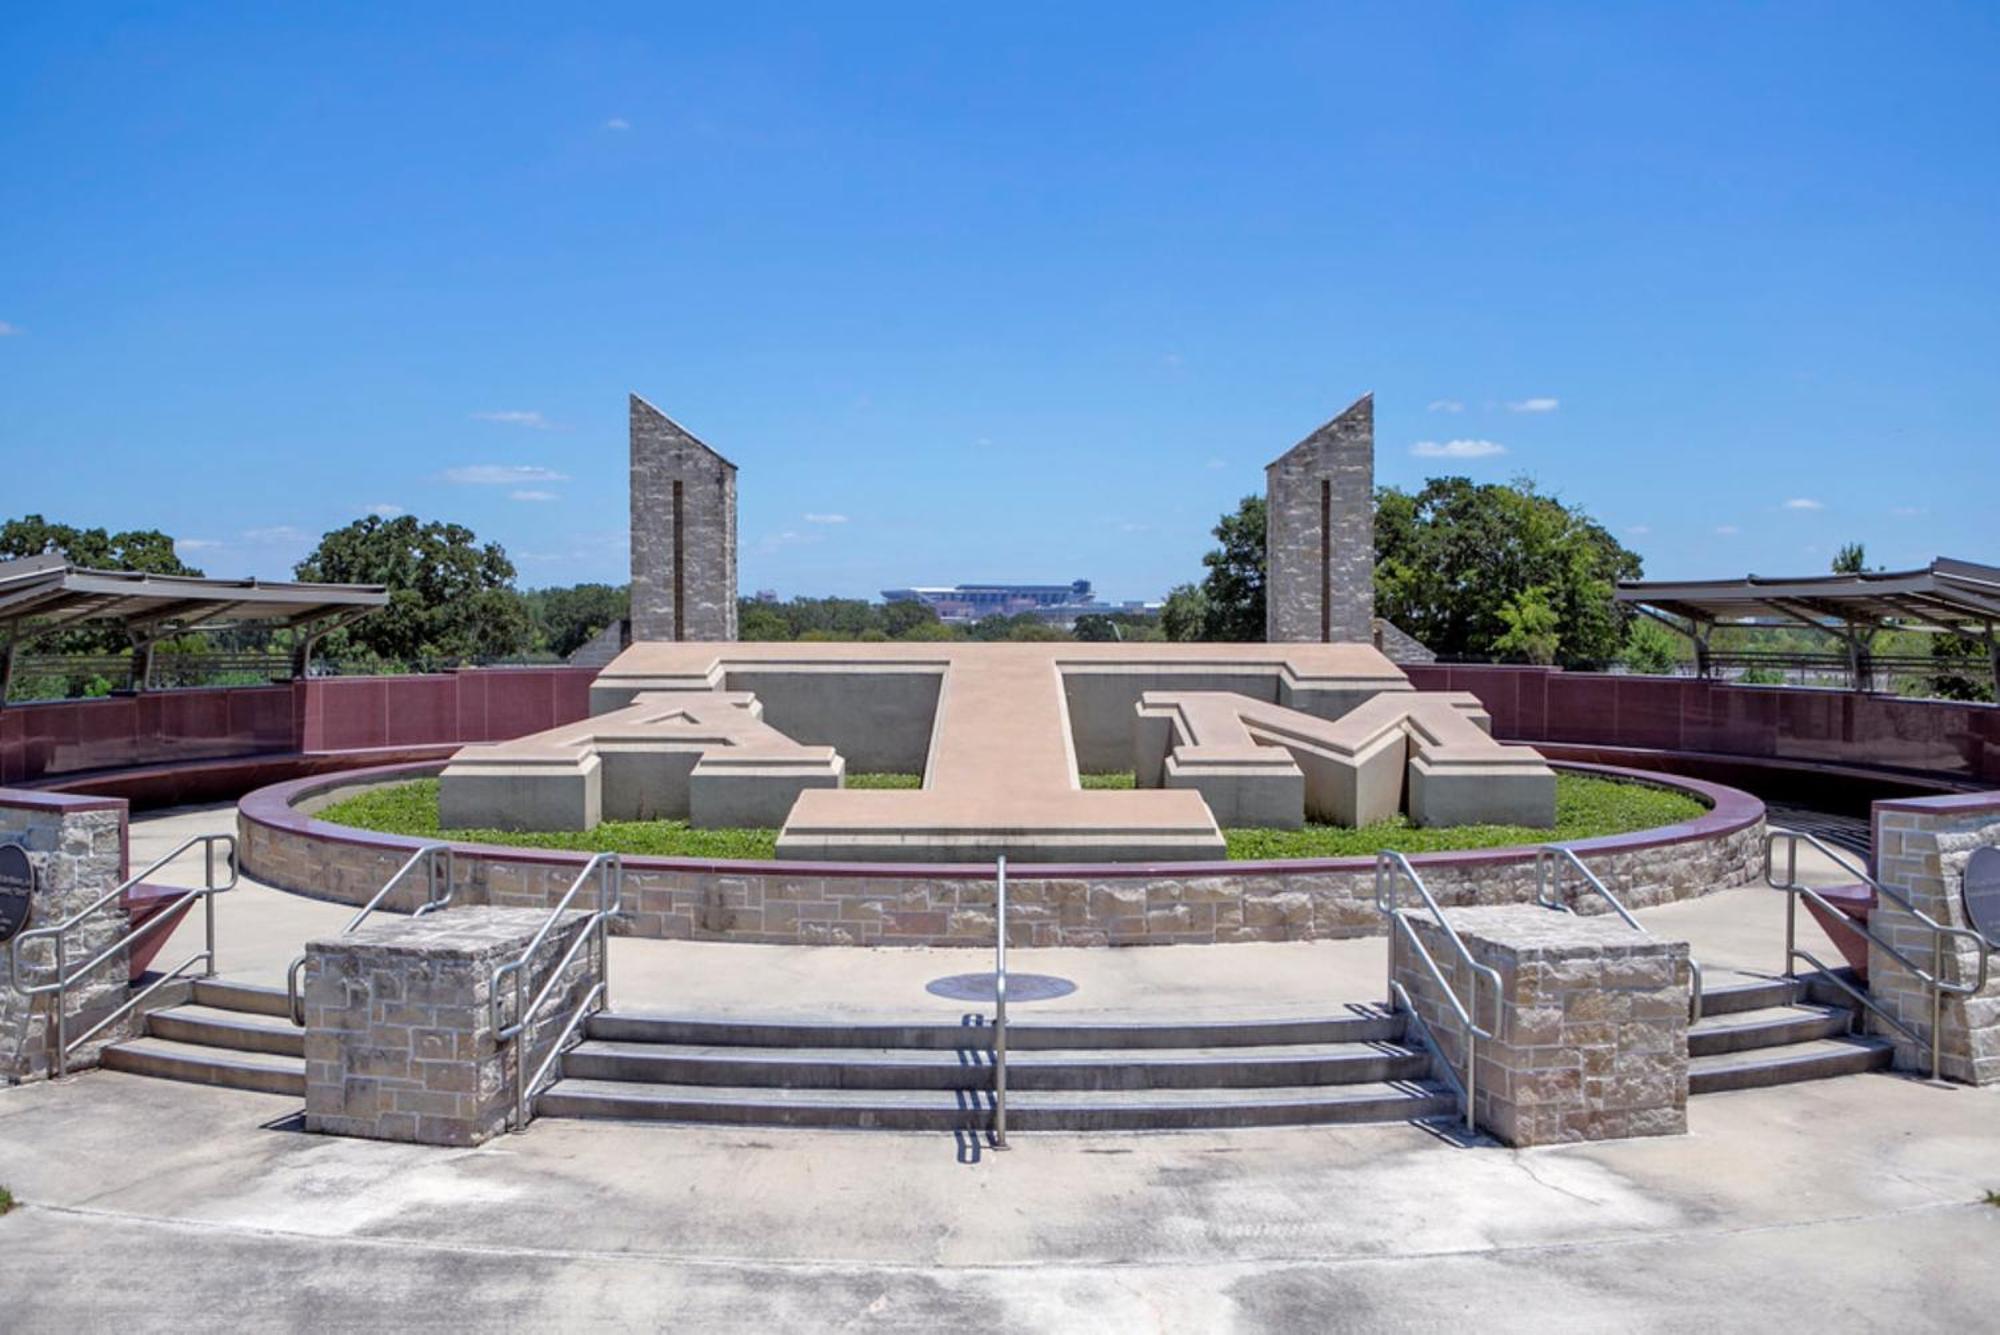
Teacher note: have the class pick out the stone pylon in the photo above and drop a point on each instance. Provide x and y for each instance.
(1319, 543)
(683, 533)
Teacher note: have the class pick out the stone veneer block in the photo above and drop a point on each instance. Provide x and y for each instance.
(77, 848)
(400, 1042)
(1319, 542)
(1922, 848)
(683, 533)
(1590, 1022)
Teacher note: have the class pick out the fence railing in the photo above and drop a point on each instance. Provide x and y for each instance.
(1393, 870)
(163, 919)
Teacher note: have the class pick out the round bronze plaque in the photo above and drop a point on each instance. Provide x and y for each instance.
(17, 889)
(1982, 892)
(1020, 987)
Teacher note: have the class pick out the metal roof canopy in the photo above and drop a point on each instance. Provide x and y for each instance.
(40, 595)
(1946, 597)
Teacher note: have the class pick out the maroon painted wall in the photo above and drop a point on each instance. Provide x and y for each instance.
(43, 741)
(1958, 742)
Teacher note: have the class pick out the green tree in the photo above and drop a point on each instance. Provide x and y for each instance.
(1851, 559)
(1961, 669)
(145, 549)
(1184, 615)
(1651, 648)
(566, 619)
(900, 618)
(1455, 564)
(450, 596)
(1095, 627)
(1533, 628)
(1233, 589)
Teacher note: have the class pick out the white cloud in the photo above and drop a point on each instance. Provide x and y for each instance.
(384, 510)
(1534, 405)
(516, 417)
(533, 496)
(618, 123)
(9, 330)
(1457, 449)
(1907, 511)
(1804, 503)
(824, 519)
(1727, 530)
(502, 475)
(1445, 406)
(274, 533)
(1130, 527)
(195, 544)
(1639, 530)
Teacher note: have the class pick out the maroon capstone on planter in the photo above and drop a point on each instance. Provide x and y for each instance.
(863, 904)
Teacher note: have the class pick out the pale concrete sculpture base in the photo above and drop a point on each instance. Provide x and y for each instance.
(1261, 764)
(1590, 1022)
(703, 756)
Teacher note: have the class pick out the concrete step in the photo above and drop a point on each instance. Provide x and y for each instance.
(1726, 993)
(238, 1031)
(249, 998)
(1238, 1067)
(1360, 1024)
(261, 1071)
(1761, 1067)
(1772, 1027)
(1029, 1110)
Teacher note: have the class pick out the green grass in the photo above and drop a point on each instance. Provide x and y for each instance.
(1992, 1198)
(1586, 808)
(6, 1201)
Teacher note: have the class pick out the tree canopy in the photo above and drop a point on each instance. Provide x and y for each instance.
(145, 549)
(450, 596)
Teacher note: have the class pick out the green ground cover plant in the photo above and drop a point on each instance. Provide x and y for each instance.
(1586, 808)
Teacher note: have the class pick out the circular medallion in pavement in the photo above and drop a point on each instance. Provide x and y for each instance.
(1020, 987)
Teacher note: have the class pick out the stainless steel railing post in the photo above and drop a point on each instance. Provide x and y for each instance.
(1000, 1006)
(62, 1009)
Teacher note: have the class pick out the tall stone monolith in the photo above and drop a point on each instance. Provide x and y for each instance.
(683, 533)
(1320, 534)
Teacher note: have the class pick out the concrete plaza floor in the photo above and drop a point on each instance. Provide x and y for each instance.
(146, 1204)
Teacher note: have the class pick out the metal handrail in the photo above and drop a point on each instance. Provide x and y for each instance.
(57, 935)
(1000, 1006)
(1548, 893)
(1390, 869)
(426, 856)
(609, 871)
(1941, 933)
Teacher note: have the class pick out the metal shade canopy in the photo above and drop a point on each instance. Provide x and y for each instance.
(40, 595)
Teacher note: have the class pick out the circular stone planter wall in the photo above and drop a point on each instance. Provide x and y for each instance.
(906, 904)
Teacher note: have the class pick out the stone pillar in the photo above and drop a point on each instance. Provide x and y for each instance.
(76, 846)
(400, 1042)
(1921, 848)
(1319, 542)
(683, 533)
(1590, 1022)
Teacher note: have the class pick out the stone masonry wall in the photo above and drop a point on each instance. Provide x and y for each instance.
(1319, 543)
(663, 453)
(1921, 849)
(782, 906)
(77, 847)
(1589, 1022)
(400, 1042)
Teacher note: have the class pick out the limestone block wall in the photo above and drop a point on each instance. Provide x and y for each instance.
(1921, 848)
(400, 1041)
(77, 847)
(862, 905)
(1319, 543)
(1589, 1022)
(683, 533)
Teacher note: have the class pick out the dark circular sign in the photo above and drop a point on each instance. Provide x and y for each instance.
(1020, 987)
(17, 889)
(1982, 892)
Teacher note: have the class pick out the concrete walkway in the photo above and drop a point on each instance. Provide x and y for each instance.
(1850, 1204)
(148, 1205)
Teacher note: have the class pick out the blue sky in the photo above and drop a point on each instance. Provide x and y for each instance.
(991, 292)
